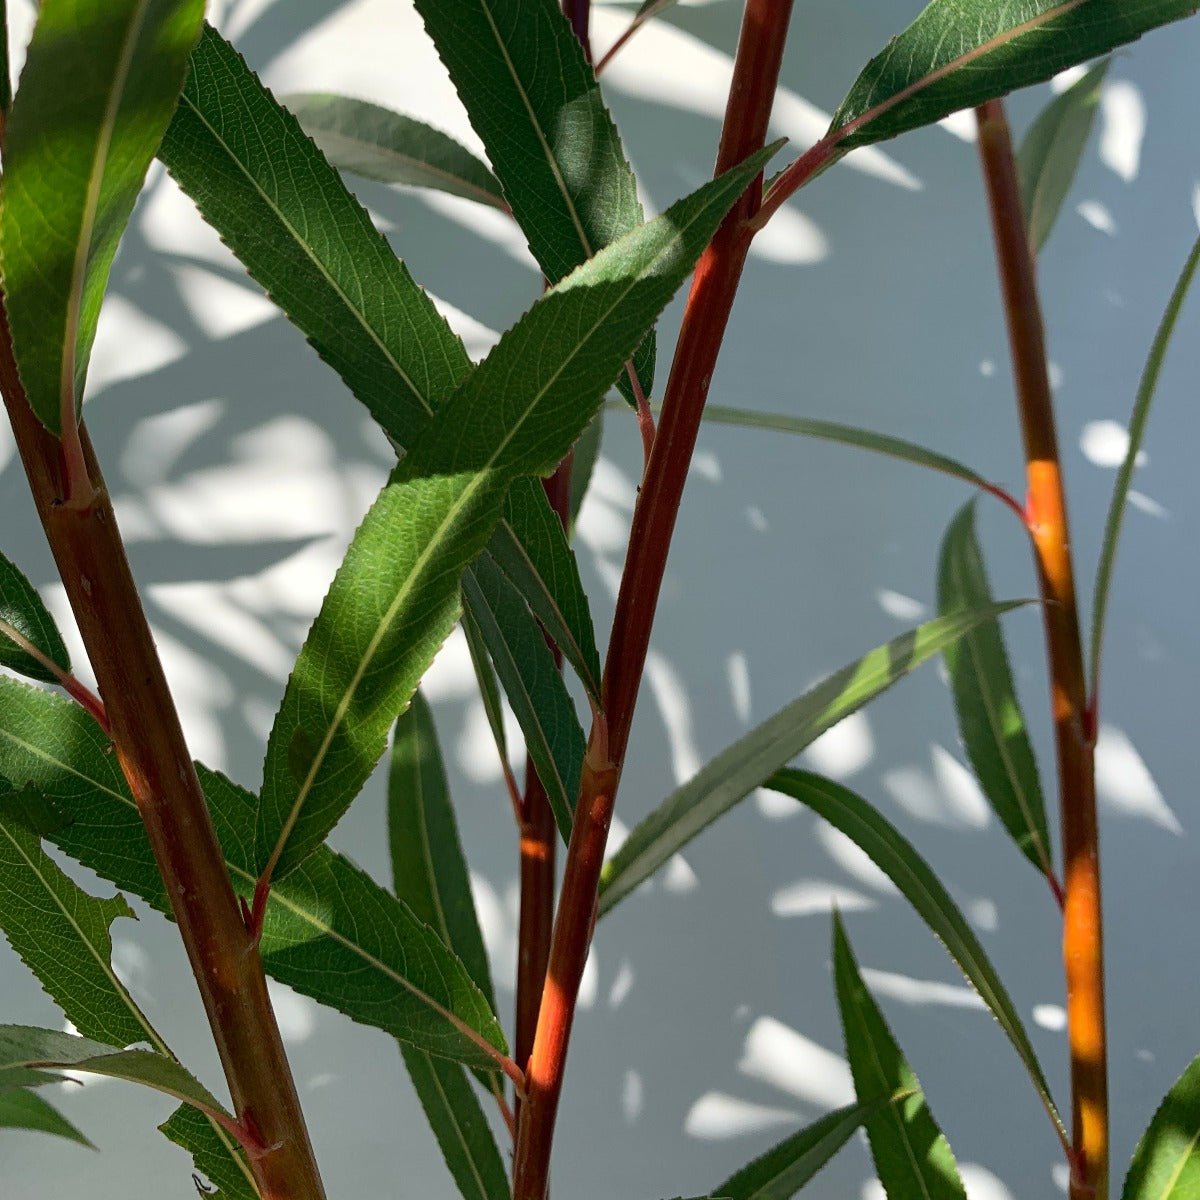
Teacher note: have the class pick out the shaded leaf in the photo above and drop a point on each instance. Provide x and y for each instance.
(23, 1109)
(912, 1156)
(1137, 431)
(897, 859)
(396, 596)
(740, 768)
(216, 1155)
(489, 685)
(1166, 1164)
(587, 452)
(75, 158)
(387, 146)
(985, 698)
(1051, 150)
(22, 608)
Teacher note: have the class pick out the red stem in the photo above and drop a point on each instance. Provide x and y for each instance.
(755, 76)
(579, 12)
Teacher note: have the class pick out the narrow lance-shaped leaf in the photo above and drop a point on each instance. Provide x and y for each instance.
(489, 686)
(313, 248)
(534, 102)
(587, 454)
(23, 1109)
(75, 157)
(960, 53)
(214, 1153)
(985, 698)
(1166, 1164)
(1137, 431)
(740, 768)
(534, 686)
(392, 148)
(22, 612)
(911, 874)
(396, 596)
(912, 1156)
(1051, 150)
(430, 875)
(330, 931)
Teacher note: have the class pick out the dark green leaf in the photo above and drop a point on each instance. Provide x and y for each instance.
(384, 145)
(396, 596)
(99, 85)
(740, 768)
(21, 609)
(960, 53)
(216, 1155)
(587, 452)
(533, 684)
(1051, 150)
(912, 1157)
(1137, 431)
(985, 698)
(23, 1109)
(535, 104)
(489, 685)
(896, 858)
(1166, 1164)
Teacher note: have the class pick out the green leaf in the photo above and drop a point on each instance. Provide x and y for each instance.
(75, 157)
(960, 53)
(395, 597)
(380, 144)
(22, 609)
(23, 1109)
(330, 932)
(313, 248)
(985, 698)
(1166, 1164)
(24, 1048)
(912, 1156)
(740, 768)
(534, 686)
(1137, 431)
(786, 1168)
(216, 1155)
(489, 685)
(534, 102)
(897, 859)
(587, 452)
(1051, 150)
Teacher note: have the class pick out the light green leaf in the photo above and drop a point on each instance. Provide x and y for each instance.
(960, 53)
(534, 102)
(893, 855)
(1051, 150)
(912, 1157)
(786, 1168)
(22, 609)
(740, 768)
(23, 1109)
(533, 684)
(985, 698)
(216, 1155)
(380, 144)
(75, 157)
(1166, 1164)
(330, 931)
(312, 247)
(395, 597)
(1137, 431)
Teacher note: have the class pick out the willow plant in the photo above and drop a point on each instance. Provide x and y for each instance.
(472, 527)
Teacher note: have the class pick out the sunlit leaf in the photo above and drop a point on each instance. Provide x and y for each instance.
(22, 609)
(1166, 1164)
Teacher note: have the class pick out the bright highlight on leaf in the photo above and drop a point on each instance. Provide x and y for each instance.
(1166, 1164)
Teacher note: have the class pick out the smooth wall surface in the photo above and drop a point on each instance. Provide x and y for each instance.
(709, 1028)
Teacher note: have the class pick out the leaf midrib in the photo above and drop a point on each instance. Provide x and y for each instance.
(466, 1149)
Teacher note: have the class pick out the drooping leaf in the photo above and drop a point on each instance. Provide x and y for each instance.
(396, 596)
(1051, 150)
(912, 1156)
(313, 248)
(1166, 1164)
(22, 609)
(100, 82)
(534, 102)
(533, 684)
(740, 768)
(985, 698)
(330, 932)
(392, 148)
(960, 53)
(1137, 431)
(23, 1109)
(897, 859)
(216, 1155)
